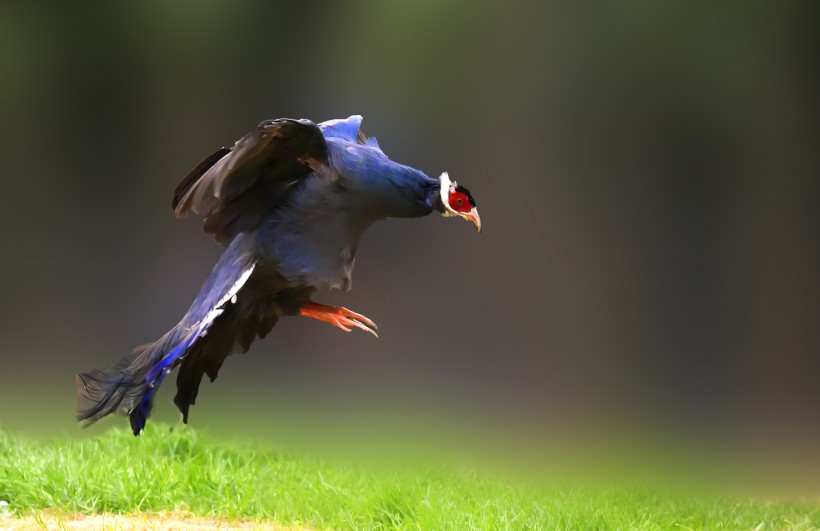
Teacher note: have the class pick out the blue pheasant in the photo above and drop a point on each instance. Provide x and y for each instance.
(291, 201)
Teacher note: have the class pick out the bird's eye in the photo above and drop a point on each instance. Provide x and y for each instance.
(459, 202)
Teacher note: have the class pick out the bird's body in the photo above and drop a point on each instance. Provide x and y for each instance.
(291, 200)
(315, 237)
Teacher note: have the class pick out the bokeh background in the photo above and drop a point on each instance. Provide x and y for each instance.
(647, 175)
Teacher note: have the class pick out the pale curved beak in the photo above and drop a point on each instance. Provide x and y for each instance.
(473, 217)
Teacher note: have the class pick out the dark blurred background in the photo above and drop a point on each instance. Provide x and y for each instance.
(647, 175)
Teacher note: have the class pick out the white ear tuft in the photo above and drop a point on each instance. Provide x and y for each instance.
(446, 184)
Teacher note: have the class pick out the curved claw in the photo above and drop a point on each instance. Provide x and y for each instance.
(357, 317)
(360, 325)
(339, 317)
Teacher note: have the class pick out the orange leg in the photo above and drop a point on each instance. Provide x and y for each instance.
(338, 317)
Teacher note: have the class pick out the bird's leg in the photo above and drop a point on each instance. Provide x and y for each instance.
(338, 317)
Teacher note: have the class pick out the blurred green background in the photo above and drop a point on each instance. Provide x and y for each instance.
(647, 174)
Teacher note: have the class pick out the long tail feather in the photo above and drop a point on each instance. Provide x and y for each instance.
(103, 391)
(128, 386)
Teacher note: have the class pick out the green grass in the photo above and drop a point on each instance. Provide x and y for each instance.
(169, 469)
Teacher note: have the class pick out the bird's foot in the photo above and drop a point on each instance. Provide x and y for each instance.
(338, 317)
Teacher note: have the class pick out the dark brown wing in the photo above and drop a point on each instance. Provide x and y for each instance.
(194, 175)
(234, 189)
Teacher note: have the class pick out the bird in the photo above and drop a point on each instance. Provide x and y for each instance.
(290, 202)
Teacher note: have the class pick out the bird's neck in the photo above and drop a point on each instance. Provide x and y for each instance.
(419, 193)
(383, 187)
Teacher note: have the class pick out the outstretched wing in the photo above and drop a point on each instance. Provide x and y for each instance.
(234, 189)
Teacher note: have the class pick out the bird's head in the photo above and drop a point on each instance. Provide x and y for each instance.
(457, 201)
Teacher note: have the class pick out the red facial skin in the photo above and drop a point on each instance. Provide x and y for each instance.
(459, 202)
